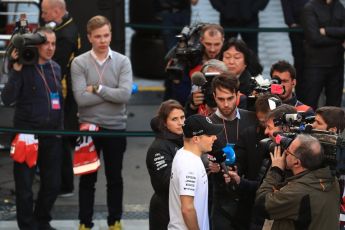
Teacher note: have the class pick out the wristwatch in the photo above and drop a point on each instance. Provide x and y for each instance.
(95, 88)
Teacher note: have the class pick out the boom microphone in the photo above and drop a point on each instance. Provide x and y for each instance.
(198, 79)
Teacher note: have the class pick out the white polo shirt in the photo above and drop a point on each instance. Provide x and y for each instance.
(188, 177)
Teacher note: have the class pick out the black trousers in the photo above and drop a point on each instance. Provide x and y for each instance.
(296, 40)
(29, 215)
(250, 38)
(112, 149)
(317, 78)
(159, 212)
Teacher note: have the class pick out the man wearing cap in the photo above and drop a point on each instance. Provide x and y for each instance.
(188, 189)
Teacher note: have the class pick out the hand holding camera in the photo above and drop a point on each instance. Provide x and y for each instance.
(278, 159)
(197, 98)
(14, 58)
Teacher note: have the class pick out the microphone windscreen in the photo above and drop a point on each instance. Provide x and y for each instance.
(198, 79)
(18, 41)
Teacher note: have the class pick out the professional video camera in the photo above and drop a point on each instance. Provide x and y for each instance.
(187, 52)
(203, 81)
(261, 85)
(25, 42)
(294, 124)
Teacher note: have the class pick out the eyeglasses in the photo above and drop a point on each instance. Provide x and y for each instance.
(288, 152)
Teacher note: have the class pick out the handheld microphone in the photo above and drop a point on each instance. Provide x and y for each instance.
(198, 79)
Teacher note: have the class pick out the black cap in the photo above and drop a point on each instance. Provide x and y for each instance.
(197, 125)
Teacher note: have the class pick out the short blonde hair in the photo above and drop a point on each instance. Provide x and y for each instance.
(97, 22)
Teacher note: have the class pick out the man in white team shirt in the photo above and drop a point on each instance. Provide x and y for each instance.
(188, 189)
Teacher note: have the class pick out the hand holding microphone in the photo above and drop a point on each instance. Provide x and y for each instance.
(198, 80)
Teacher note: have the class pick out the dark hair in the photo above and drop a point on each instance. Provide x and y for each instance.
(283, 66)
(280, 111)
(225, 81)
(165, 109)
(261, 103)
(309, 152)
(250, 58)
(212, 30)
(333, 116)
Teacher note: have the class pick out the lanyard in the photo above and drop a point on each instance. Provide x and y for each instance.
(100, 73)
(226, 135)
(42, 75)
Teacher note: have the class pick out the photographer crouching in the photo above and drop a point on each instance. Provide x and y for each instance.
(307, 200)
(34, 87)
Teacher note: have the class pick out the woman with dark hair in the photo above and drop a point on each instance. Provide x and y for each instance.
(242, 62)
(167, 126)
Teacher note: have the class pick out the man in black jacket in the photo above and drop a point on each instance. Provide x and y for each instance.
(292, 10)
(324, 28)
(67, 45)
(243, 13)
(234, 120)
(36, 92)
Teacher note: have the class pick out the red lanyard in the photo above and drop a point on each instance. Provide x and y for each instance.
(100, 73)
(41, 73)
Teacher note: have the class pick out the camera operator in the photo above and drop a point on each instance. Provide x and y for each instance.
(252, 160)
(36, 92)
(287, 75)
(278, 113)
(55, 15)
(211, 38)
(196, 103)
(307, 200)
(331, 118)
(234, 120)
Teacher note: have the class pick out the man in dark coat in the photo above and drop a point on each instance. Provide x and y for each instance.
(324, 28)
(67, 45)
(241, 13)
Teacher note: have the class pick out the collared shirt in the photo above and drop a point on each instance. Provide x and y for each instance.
(220, 115)
(109, 55)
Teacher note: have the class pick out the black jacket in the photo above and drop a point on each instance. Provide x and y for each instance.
(324, 51)
(239, 10)
(26, 90)
(247, 119)
(67, 44)
(292, 10)
(159, 160)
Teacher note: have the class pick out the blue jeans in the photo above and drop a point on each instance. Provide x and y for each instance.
(113, 149)
(30, 216)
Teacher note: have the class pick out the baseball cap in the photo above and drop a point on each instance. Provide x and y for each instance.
(197, 125)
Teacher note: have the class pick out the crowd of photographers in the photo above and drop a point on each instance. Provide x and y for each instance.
(277, 159)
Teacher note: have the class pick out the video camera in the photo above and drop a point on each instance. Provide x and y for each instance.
(260, 85)
(187, 52)
(203, 81)
(294, 124)
(25, 42)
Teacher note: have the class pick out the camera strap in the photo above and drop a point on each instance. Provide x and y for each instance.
(226, 134)
(100, 71)
(53, 96)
